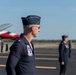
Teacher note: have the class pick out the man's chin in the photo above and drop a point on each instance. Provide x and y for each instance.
(35, 35)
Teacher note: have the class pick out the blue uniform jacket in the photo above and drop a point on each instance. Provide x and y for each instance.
(63, 52)
(21, 60)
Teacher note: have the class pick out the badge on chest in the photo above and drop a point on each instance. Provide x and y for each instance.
(29, 50)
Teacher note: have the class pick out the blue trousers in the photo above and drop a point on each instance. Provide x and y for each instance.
(63, 69)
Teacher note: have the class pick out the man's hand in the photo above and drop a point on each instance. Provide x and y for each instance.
(62, 63)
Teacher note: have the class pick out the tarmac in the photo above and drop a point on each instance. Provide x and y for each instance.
(46, 62)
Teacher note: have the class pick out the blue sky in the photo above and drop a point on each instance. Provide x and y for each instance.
(58, 17)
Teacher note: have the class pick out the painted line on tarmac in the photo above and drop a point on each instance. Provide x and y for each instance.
(36, 54)
(35, 58)
(47, 54)
(45, 67)
(38, 67)
(3, 56)
(46, 58)
(4, 52)
(1, 65)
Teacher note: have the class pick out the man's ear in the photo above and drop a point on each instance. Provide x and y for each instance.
(32, 28)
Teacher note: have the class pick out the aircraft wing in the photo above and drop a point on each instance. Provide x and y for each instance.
(5, 26)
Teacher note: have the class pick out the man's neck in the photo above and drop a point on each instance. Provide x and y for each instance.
(65, 42)
(28, 37)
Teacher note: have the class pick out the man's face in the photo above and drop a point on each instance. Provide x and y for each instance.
(66, 39)
(35, 30)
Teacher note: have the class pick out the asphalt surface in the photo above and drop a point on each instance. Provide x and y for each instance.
(46, 62)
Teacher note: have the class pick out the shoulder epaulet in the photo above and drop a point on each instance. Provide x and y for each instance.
(62, 43)
(19, 40)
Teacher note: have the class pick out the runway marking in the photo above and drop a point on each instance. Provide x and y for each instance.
(4, 53)
(1, 65)
(47, 54)
(36, 54)
(38, 67)
(46, 58)
(35, 58)
(45, 67)
(3, 56)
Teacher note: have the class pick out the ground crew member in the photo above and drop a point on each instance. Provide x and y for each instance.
(21, 60)
(2, 45)
(6, 47)
(63, 54)
(70, 47)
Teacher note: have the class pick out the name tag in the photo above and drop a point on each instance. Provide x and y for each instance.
(29, 50)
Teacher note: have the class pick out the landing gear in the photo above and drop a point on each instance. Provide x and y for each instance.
(6, 47)
(2, 44)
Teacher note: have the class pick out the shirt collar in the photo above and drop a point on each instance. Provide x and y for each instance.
(24, 39)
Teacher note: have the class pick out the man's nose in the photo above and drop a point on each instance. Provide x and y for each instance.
(39, 30)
